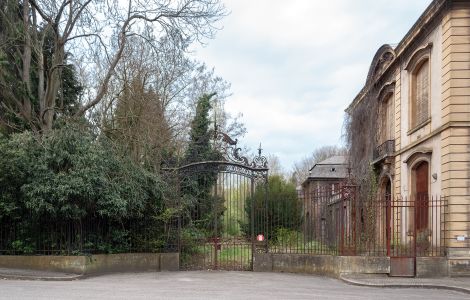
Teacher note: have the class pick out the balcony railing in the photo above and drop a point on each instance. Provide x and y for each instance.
(384, 150)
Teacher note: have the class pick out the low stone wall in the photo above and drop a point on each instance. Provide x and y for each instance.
(459, 261)
(320, 264)
(94, 264)
(428, 267)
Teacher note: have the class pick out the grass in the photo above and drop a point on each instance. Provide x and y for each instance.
(235, 252)
(232, 256)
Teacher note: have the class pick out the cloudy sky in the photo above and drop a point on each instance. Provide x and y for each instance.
(295, 65)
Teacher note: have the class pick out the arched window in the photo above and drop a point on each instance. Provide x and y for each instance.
(420, 94)
(387, 112)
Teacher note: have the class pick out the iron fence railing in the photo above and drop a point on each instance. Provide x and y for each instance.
(330, 221)
(30, 236)
(342, 224)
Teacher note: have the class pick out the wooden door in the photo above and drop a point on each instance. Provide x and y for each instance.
(422, 196)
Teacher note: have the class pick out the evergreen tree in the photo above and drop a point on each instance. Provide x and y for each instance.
(200, 148)
(197, 184)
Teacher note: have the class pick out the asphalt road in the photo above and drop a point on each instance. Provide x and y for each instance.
(210, 285)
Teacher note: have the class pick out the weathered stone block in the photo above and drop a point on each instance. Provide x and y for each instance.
(262, 262)
(364, 264)
(459, 267)
(169, 261)
(431, 267)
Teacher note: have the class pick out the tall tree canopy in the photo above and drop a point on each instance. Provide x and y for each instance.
(39, 36)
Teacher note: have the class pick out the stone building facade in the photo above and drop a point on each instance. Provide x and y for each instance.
(422, 86)
(326, 175)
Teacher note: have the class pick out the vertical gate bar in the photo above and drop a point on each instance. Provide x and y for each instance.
(416, 208)
(252, 211)
(216, 231)
(229, 220)
(266, 211)
(433, 230)
(179, 209)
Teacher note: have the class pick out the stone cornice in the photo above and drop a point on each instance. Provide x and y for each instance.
(417, 30)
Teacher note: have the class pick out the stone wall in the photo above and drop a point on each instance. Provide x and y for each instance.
(95, 264)
(320, 264)
(330, 265)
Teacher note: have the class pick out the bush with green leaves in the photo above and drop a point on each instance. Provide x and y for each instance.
(279, 209)
(70, 174)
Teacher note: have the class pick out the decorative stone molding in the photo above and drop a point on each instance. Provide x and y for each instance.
(418, 56)
(387, 89)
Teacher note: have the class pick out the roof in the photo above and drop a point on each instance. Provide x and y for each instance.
(334, 160)
(335, 167)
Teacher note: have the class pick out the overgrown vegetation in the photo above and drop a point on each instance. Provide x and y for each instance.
(88, 117)
(361, 132)
(69, 176)
(361, 137)
(280, 208)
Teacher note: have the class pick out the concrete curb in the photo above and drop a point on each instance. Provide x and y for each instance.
(402, 285)
(41, 278)
(70, 277)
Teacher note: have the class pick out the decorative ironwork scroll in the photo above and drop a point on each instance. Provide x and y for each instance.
(231, 152)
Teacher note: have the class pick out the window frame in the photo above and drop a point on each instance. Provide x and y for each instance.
(386, 95)
(414, 107)
(419, 57)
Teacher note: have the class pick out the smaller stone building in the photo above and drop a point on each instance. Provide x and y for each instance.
(319, 192)
(327, 175)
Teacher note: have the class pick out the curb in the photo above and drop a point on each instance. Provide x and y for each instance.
(392, 285)
(41, 278)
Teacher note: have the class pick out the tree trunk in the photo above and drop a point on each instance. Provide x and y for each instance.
(26, 60)
(52, 88)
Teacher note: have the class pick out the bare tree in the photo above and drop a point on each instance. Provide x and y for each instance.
(95, 35)
(151, 100)
(274, 165)
(301, 169)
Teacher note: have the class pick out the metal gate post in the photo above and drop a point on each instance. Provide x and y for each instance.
(252, 217)
(216, 217)
(179, 207)
(266, 211)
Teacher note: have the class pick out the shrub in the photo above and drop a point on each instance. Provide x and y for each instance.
(69, 175)
(284, 209)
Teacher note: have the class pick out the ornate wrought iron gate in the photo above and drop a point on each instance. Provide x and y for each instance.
(216, 204)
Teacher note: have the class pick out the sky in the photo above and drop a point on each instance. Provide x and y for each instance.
(295, 65)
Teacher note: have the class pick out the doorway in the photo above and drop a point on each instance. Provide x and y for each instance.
(421, 196)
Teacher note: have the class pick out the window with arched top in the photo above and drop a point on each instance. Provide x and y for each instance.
(387, 126)
(420, 94)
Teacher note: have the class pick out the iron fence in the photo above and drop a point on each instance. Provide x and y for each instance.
(327, 221)
(30, 236)
(337, 222)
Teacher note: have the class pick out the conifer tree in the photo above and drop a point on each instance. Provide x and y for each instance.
(198, 184)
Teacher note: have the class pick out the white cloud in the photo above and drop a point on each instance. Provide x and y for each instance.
(295, 65)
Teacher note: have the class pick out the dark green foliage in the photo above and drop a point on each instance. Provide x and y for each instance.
(69, 176)
(284, 208)
(200, 147)
(202, 207)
